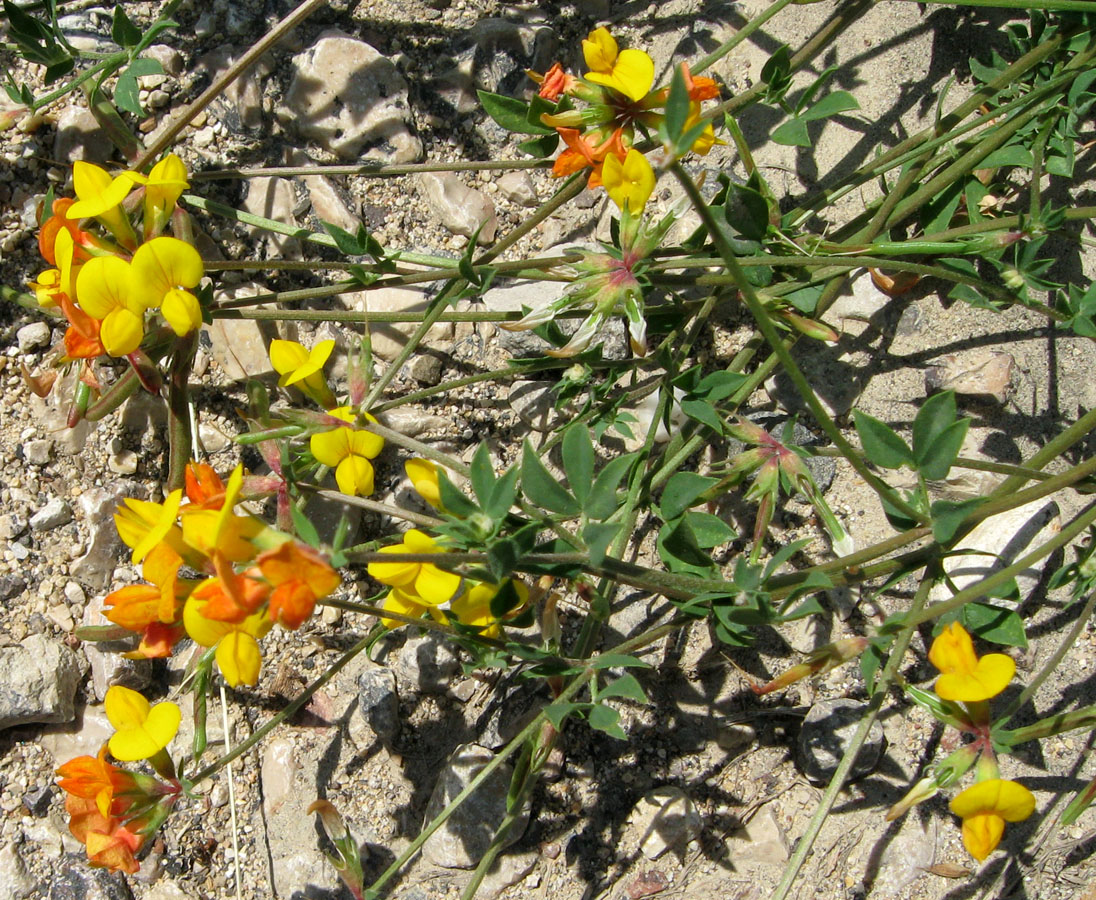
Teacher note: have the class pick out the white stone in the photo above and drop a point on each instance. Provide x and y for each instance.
(518, 188)
(389, 338)
(32, 336)
(459, 208)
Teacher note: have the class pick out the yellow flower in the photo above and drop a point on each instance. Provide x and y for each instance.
(221, 530)
(160, 271)
(406, 604)
(629, 183)
(424, 478)
(141, 730)
(348, 450)
(143, 524)
(965, 677)
(473, 607)
(103, 290)
(100, 197)
(428, 584)
(631, 72)
(238, 655)
(166, 183)
(985, 807)
(304, 368)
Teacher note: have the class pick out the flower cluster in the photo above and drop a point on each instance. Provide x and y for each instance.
(423, 587)
(104, 277)
(113, 811)
(619, 97)
(966, 683)
(253, 576)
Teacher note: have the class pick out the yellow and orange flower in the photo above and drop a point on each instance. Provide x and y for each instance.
(300, 576)
(966, 677)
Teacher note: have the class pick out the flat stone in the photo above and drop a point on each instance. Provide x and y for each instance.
(665, 818)
(415, 422)
(79, 136)
(826, 732)
(516, 297)
(351, 100)
(379, 703)
(15, 880)
(54, 514)
(509, 869)
(425, 664)
(239, 346)
(761, 840)
(389, 338)
(95, 509)
(860, 299)
(273, 198)
(40, 681)
(518, 188)
(907, 857)
(734, 735)
(500, 52)
(33, 336)
(534, 402)
(240, 105)
(38, 452)
(997, 542)
(467, 834)
(980, 374)
(77, 881)
(426, 369)
(459, 208)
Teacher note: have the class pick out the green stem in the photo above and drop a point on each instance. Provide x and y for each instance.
(706, 62)
(180, 440)
(367, 170)
(1052, 725)
(1078, 431)
(825, 804)
(776, 342)
(111, 62)
(1081, 6)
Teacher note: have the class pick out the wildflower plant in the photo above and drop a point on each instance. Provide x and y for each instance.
(518, 555)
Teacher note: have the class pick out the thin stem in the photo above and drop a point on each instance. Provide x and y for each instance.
(1078, 431)
(706, 62)
(368, 170)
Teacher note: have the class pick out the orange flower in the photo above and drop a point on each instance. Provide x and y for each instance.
(230, 597)
(300, 577)
(109, 843)
(82, 336)
(47, 234)
(553, 83)
(93, 778)
(583, 152)
(204, 488)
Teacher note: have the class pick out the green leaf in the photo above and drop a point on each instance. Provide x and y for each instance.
(938, 457)
(882, 445)
(1012, 155)
(627, 686)
(703, 412)
(679, 548)
(540, 147)
(481, 473)
(719, 385)
(607, 719)
(792, 133)
(503, 493)
(947, 515)
(306, 531)
(122, 31)
(541, 488)
(710, 530)
(453, 499)
(682, 491)
(506, 600)
(994, 623)
(127, 95)
(511, 114)
(598, 536)
(830, 105)
(804, 299)
(558, 713)
(578, 461)
(618, 661)
(747, 212)
(348, 244)
(677, 109)
(936, 414)
(603, 501)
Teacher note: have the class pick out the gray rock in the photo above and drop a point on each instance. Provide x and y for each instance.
(760, 840)
(53, 515)
(96, 508)
(40, 681)
(379, 703)
(518, 188)
(426, 369)
(501, 51)
(15, 880)
(907, 857)
(10, 585)
(11, 526)
(329, 201)
(348, 98)
(980, 374)
(860, 299)
(108, 666)
(37, 452)
(466, 835)
(825, 734)
(79, 136)
(415, 422)
(240, 105)
(665, 818)
(534, 403)
(734, 735)
(389, 338)
(77, 881)
(458, 207)
(37, 803)
(32, 336)
(425, 664)
(170, 59)
(509, 869)
(273, 198)
(516, 297)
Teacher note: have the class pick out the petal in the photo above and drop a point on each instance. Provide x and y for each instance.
(354, 476)
(330, 447)
(103, 285)
(162, 264)
(953, 651)
(159, 526)
(201, 630)
(982, 833)
(239, 659)
(990, 676)
(313, 362)
(396, 574)
(612, 174)
(125, 708)
(419, 542)
(436, 586)
(133, 744)
(163, 723)
(599, 50)
(122, 332)
(403, 603)
(424, 478)
(633, 74)
(287, 356)
(366, 443)
(182, 311)
(98, 192)
(1008, 799)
